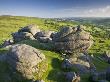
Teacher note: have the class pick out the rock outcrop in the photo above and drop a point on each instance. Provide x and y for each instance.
(33, 29)
(67, 40)
(72, 77)
(44, 36)
(19, 36)
(71, 39)
(25, 33)
(32, 32)
(24, 59)
(7, 42)
(80, 62)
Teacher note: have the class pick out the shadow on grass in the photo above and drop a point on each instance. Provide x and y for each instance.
(56, 74)
(3, 51)
(38, 45)
(7, 75)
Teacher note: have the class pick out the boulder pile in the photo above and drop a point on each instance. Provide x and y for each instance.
(72, 39)
(32, 32)
(81, 62)
(25, 33)
(67, 40)
(44, 36)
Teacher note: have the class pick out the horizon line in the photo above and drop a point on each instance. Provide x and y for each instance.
(61, 17)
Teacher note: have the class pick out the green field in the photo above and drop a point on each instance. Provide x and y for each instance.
(10, 24)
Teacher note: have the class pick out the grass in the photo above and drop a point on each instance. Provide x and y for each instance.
(53, 63)
(9, 24)
(51, 67)
(100, 64)
(53, 59)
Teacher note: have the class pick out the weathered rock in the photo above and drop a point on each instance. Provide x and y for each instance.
(39, 81)
(2, 57)
(80, 62)
(24, 59)
(71, 39)
(44, 39)
(53, 34)
(44, 36)
(107, 53)
(8, 42)
(25, 33)
(19, 36)
(72, 77)
(33, 29)
(66, 64)
(77, 79)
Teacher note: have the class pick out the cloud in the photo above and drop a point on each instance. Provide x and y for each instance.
(69, 12)
(98, 12)
(83, 12)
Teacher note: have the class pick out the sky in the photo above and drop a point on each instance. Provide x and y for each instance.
(56, 8)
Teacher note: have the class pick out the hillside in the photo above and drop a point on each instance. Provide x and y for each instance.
(101, 38)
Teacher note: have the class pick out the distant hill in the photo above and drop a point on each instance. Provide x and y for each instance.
(102, 21)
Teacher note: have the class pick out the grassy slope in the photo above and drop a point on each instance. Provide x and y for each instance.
(12, 24)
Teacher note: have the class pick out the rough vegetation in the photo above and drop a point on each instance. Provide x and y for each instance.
(73, 61)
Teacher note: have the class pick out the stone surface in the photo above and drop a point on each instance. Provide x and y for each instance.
(39, 81)
(25, 33)
(66, 64)
(33, 29)
(2, 57)
(44, 39)
(80, 62)
(19, 36)
(71, 39)
(44, 36)
(7, 43)
(24, 59)
(72, 77)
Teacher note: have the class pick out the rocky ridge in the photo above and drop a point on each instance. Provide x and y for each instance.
(71, 41)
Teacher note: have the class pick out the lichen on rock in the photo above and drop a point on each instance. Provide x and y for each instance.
(25, 59)
(72, 39)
